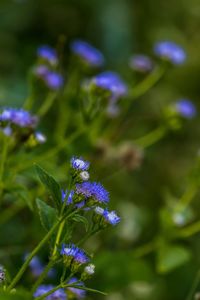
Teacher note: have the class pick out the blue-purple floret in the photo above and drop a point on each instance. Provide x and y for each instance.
(47, 53)
(80, 294)
(141, 63)
(74, 252)
(186, 108)
(69, 198)
(54, 80)
(88, 53)
(111, 217)
(18, 117)
(170, 51)
(93, 190)
(79, 164)
(112, 82)
(36, 266)
(45, 288)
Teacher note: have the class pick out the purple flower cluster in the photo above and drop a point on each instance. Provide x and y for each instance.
(87, 53)
(45, 288)
(186, 108)
(78, 293)
(75, 253)
(109, 217)
(18, 117)
(170, 51)
(92, 190)
(141, 63)
(79, 164)
(52, 79)
(48, 54)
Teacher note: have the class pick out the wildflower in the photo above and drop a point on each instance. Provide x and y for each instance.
(79, 164)
(18, 117)
(84, 175)
(47, 53)
(141, 63)
(70, 196)
(2, 274)
(111, 82)
(78, 293)
(90, 269)
(74, 256)
(54, 80)
(45, 288)
(111, 217)
(93, 190)
(170, 51)
(88, 53)
(41, 70)
(36, 266)
(99, 210)
(40, 137)
(186, 108)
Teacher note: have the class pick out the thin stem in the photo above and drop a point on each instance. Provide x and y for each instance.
(190, 230)
(151, 138)
(58, 237)
(188, 195)
(43, 275)
(3, 157)
(194, 286)
(44, 108)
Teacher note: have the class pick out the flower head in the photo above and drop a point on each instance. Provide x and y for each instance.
(45, 288)
(93, 190)
(47, 53)
(88, 53)
(111, 82)
(141, 63)
(80, 294)
(186, 108)
(79, 164)
(89, 269)
(36, 266)
(170, 51)
(111, 217)
(75, 253)
(53, 80)
(40, 137)
(41, 70)
(18, 117)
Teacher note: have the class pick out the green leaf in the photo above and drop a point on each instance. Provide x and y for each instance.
(81, 219)
(47, 214)
(170, 257)
(52, 185)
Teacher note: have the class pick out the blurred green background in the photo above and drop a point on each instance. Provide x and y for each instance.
(120, 28)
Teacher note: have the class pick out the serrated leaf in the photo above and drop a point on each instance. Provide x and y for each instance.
(81, 219)
(171, 257)
(47, 214)
(52, 185)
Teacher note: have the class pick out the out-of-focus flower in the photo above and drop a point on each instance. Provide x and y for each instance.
(87, 53)
(40, 137)
(48, 54)
(129, 156)
(45, 288)
(170, 51)
(78, 293)
(54, 80)
(2, 274)
(111, 82)
(92, 190)
(186, 108)
(18, 117)
(41, 70)
(141, 63)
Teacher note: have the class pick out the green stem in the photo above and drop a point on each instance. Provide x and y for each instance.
(58, 237)
(190, 230)
(151, 138)
(145, 249)
(42, 275)
(44, 108)
(194, 286)
(3, 162)
(188, 195)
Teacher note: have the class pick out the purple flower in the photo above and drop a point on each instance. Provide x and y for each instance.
(112, 82)
(18, 117)
(54, 80)
(80, 294)
(111, 217)
(93, 190)
(41, 70)
(88, 53)
(79, 164)
(77, 254)
(70, 196)
(47, 53)
(186, 108)
(45, 288)
(141, 63)
(170, 51)
(36, 266)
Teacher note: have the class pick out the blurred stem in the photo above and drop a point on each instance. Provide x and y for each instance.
(194, 286)
(190, 230)
(3, 161)
(44, 108)
(151, 138)
(145, 249)
(189, 195)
